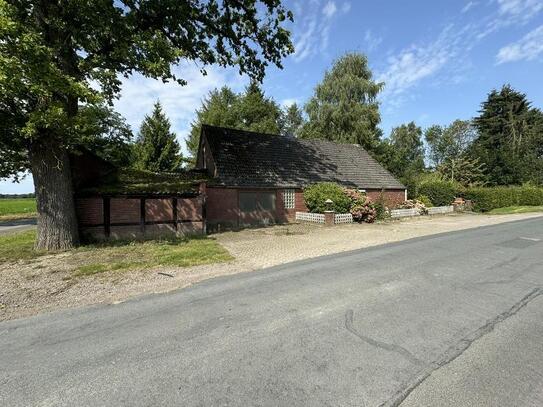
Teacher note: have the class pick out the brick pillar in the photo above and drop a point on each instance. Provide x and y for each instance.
(329, 218)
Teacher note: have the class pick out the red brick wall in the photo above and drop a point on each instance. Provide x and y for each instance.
(299, 205)
(90, 211)
(392, 197)
(189, 209)
(158, 210)
(222, 206)
(124, 210)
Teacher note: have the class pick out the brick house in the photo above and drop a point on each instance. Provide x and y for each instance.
(258, 178)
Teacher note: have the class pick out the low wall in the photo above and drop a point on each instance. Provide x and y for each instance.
(440, 210)
(436, 210)
(140, 217)
(336, 219)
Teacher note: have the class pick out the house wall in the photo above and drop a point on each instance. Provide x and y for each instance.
(121, 217)
(223, 213)
(222, 208)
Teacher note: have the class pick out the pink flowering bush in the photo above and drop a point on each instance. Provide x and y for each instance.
(414, 204)
(362, 209)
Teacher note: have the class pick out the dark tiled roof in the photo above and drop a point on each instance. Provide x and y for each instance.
(252, 159)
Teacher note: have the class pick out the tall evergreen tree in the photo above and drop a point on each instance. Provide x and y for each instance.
(250, 110)
(156, 147)
(510, 140)
(217, 109)
(344, 107)
(292, 121)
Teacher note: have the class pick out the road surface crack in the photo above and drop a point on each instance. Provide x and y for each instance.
(459, 348)
(382, 345)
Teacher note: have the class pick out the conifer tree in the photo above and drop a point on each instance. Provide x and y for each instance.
(156, 147)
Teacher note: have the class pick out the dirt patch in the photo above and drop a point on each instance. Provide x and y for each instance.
(28, 287)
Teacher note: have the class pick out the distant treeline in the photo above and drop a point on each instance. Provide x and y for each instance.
(17, 196)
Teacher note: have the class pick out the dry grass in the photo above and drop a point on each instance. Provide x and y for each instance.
(117, 256)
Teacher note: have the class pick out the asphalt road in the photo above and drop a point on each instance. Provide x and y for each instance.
(453, 319)
(17, 225)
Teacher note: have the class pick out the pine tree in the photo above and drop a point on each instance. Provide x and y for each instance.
(345, 108)
(156, 147)
(217, 110)
(292, 121)
(509, 143)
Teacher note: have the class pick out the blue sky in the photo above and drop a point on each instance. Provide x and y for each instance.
(438, 59)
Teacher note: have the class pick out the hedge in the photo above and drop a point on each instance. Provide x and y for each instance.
(440, 193)
(487, 198)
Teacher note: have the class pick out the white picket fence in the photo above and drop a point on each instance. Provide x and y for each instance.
(310, 217)
(440, 210)
(343, 218)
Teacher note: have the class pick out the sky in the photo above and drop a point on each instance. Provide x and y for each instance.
(438, 60)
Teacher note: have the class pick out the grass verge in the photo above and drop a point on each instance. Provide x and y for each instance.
(515, 209)
(20, 208)
(117, 256)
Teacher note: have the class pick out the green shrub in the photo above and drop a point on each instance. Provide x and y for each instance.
(487, 198)
(316, 195)
(440, 193)
(425, 200)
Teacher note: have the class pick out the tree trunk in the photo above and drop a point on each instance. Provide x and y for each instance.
(57, 222)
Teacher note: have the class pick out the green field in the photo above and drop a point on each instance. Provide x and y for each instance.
(17, 208)
(515, 209)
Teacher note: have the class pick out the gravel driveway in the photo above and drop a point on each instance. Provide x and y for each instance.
(28, 288)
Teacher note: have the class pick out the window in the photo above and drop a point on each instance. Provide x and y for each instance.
(256, 201)
(247, 201)
(267, 201)
(289, 197)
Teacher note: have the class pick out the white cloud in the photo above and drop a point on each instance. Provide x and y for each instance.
(419, 62)
(509, 13)
(469, 6)
(312, 31)
(528, 48)
(179, 102)
(372, 41)
(329, 9)
(523, 9)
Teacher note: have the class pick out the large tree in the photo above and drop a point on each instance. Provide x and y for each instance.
(56, 55)
(293, 121)
(156, 147)
(250, 110)
(344, 107)
(447, 152)
(403, 152)
(510, 138)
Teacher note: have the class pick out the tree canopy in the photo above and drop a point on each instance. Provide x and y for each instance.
(156, 147)
(56, 56)
(510, 138)
(250, 110)
(403, 152)
(344, 107)
(293, 121)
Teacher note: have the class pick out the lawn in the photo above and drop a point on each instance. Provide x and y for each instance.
(116, 256)
(18, 208)
(515, 209)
